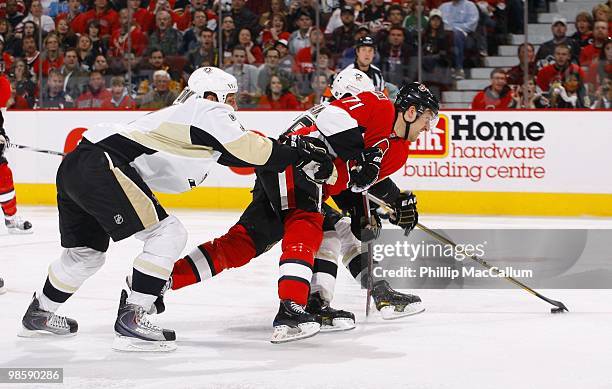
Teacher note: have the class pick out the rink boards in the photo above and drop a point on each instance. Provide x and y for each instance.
(475, 162)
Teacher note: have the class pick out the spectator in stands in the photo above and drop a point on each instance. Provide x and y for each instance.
(602, 67)
(603, 95)
(102, 11)
(119, 42)
(243, 17)
(101, 65)
(277, 7)
(253, 51)
(515, 74)
(53, 97)
(365, 50)
(13, 15)
(584, 29)
(72, 14)
(591, 52)
(6, 60)
(31, 54)
(120, 98)
(85, 53)
(95, 94)
(66, 36)
(278, 97)
(93, 31)
(161, 96)
(324, 63)
(410, 22)
(52, 56)
(535, 100)
(141, 16)
(286, 59)
(166, 37)
(300, 37)
(560, 68)
(375, 11)
(546, 52)
(497, 95)
(395, 18)
(305, 57)
(271, 68)
(436, 52)
(460, 17)
(318, 84)
(335, 20)
(36, 16)
(246, 75)
(228, 30)
(571, 93)
(603, 13)
(205, 52)
(342, 37)
(74, 77)
(188, 18)
(25, 88)
(16, 101)
(190, 37)
(395, 57)
(274, 30)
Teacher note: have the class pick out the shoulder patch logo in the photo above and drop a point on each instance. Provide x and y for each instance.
(423, 88)
(118, 219)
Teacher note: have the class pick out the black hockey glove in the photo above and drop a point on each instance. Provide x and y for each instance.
(370, 230)
(365, 173)
(4, 143)
(316, 163)
(405, 211)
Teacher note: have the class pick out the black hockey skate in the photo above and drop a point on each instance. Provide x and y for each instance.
(134, 332)
(37, 322)
(331, 319)
(2, 288)
(393, 304)
(292, 323)
(16, 225)
(158, 305)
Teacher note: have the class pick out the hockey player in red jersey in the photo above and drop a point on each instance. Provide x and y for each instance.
(255, 233)
(8, 200)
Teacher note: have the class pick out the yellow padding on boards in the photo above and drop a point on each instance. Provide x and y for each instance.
(430, 202)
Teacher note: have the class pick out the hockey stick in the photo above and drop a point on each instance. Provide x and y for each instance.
(370, 269)
(560, 306)
(37, 150)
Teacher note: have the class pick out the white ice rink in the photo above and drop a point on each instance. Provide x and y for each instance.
(466, 338)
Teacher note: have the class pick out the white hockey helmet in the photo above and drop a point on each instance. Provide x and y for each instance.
(213, 80)
(352, 81)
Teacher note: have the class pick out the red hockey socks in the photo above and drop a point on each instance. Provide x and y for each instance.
(8, 201)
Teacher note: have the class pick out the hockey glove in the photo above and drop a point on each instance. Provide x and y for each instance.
(316, 163)
(4, 143)
(365, 173)
(405, 211)
(370, 229)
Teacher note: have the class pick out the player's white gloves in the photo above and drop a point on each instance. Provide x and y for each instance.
(405, 213)
(365, 173)
(4, 143)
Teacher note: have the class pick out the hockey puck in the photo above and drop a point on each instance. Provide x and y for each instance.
(556, 310)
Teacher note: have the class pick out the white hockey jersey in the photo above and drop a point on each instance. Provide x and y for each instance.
(173, 149)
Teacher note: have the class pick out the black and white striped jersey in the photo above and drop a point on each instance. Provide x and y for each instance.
(173, 149)
(375, 75)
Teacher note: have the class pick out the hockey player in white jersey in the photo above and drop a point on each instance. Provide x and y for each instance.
(105, 191)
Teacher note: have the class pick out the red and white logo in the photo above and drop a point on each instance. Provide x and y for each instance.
(433, 143)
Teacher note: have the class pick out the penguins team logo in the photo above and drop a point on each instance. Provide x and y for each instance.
(358, 77)
(207, 69)
(118, 219)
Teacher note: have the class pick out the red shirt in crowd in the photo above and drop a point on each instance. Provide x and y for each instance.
(119, 43)
(485, 99)
(267, 39)
(287, 102)
(52, 64)
(92, 100)
(593, 72)
(551, 73)
(184, 20)
(588, 54)
(303, 61)
(145, 19)
(126, 103)
(109, 20)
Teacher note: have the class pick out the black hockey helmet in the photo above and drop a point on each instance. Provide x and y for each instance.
(416, 94)
(365, 41)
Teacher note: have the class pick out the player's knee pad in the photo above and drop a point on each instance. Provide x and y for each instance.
(163, 243)
(303, 234)
(74, 266)
(6, 178)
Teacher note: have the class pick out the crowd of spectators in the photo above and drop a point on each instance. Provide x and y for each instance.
(126, 54)
(566, 72)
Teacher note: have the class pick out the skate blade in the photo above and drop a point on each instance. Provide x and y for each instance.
(284, 334)
(26, 333)
(127, 344)
(3, 290)
(17, 231)
(341, 324)
(389, 312)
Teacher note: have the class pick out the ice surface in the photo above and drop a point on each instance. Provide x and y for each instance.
(466, 338)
